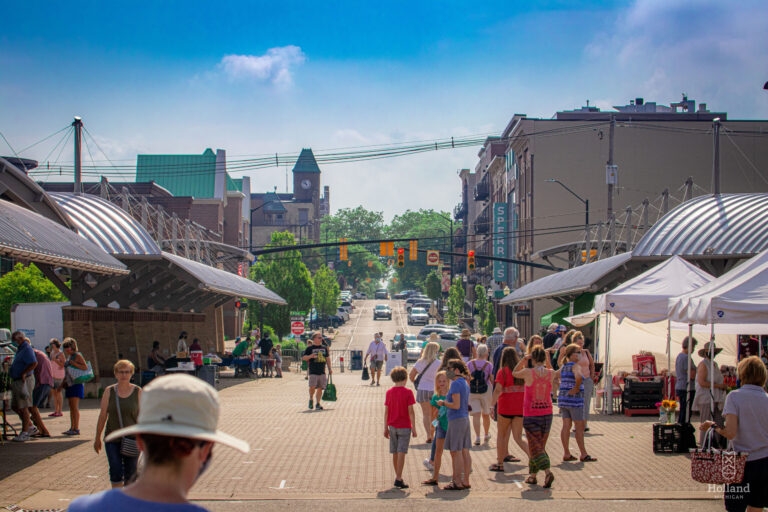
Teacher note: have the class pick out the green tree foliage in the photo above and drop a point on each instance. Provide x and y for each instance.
(326, 298)
(433, 285)
(481, 305)
(490, 321)
(433, 228)
(25, 284)
(455, 302)
(285, 274)
(353, 223)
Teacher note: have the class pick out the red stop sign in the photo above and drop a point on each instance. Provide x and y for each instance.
(297, 328)
(433, 257)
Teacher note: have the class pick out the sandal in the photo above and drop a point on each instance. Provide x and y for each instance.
(453, 486)
(531, 480)
(41, 435)
(512, 458)
(72, 432)
(498, 468)
(548, 480)
(570, 458)
(431, 481)
(588, 458)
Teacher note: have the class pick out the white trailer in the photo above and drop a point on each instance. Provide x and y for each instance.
(39, 321)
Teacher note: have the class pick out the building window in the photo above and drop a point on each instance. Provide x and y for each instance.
(303, 216)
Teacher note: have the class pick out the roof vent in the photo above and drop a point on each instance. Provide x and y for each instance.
(638, 101)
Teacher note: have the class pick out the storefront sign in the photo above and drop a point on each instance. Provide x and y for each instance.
(500, 241)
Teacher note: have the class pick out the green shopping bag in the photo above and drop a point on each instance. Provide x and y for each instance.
(329, 395)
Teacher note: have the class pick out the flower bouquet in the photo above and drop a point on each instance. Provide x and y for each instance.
(667, 409)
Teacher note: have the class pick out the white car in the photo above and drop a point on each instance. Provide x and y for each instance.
(418, 316)
(341, 312)
(414, 348)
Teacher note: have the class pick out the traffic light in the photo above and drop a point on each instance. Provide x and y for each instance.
(400, 257)
(239, 304)
(343, 250)
(470, 260)
(413, 250)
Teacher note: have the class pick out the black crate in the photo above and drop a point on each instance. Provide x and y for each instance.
(667, 438)
(644, 387)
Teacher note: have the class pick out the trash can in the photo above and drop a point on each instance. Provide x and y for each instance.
(356, 361)
(208, 374)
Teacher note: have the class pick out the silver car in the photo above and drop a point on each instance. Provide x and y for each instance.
(418, 316)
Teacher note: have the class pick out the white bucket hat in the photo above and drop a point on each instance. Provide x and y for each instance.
(181, 406)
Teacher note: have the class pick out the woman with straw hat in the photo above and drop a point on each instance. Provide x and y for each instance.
(176, 430)
(710, 387)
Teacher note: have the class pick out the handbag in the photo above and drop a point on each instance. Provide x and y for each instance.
(712, 466)
(418, 377)
(78, 376)
(329, 394)
(128, 446)
(366, 376)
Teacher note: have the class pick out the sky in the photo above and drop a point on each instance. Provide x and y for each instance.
(259, 78)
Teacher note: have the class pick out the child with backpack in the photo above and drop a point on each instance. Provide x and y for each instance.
(481, 392)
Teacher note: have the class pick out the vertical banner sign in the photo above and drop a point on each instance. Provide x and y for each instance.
(500, 241)
(446, 281)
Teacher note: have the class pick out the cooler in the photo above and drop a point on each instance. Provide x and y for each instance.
(197, 357)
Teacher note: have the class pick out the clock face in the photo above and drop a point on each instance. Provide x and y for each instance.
(306, 184)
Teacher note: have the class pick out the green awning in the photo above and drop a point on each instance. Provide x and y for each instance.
(582, 304)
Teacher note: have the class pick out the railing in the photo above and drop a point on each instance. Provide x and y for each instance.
(482, 189)
(460, 212)
(482, 222)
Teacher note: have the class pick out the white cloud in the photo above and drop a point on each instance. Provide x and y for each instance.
(275, 66)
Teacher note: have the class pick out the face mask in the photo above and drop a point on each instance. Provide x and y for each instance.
(205, 465)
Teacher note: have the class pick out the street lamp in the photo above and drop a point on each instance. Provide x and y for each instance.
(585, 201)
(250, 226)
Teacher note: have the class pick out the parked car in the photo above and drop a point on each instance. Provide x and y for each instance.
(360, 296)
(400, 295)
(348, 304)
(328, 321)
(381, 293)
(421, 303)
(341, 312)
(414, 298)
(418, 316)
(382, 311)
(448, 337)
(444, 326)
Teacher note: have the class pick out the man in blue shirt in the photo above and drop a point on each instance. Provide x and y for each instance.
(22, 382)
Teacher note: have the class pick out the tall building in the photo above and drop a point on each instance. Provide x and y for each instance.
(663, 155)
(297, 212)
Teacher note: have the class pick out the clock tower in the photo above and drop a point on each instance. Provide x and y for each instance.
(306, 178)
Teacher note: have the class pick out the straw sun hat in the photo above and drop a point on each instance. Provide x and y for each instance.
(181, 406)
(434, 337)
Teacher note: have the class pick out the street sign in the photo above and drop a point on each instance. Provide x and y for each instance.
(433, 257)
(446, 281)
(297, 328)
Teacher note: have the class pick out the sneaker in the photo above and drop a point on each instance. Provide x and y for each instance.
(487, 437)
(310, 404)
(379, 384)
(477, 441)
(318, 406)
(400, 484)
(373, 383)
(428, 465)
(33, 430)
(21, 438)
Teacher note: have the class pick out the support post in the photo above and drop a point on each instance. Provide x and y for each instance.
(77, 124)
(716, 157)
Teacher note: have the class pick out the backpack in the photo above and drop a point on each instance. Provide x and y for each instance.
(478, 385)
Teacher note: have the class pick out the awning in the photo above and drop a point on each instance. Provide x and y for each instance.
(29, 236)
(574, 281)
(219, 281)
(582, 304)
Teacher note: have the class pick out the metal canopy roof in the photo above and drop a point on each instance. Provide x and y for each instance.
(27, 235)
(107, 225)
(724, 225)
(20, 189)
(586, 278)
(219, 281)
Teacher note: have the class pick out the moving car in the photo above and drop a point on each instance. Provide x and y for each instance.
(381, 293)
(418, 316)
(382, 311)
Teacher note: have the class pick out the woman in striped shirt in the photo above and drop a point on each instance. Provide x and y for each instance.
(571, 402)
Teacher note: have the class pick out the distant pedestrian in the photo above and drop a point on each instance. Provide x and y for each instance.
(466, 346)
(43, 384)
(126, 396)
(537, 412)
(551, 337)
(571, 402)
(176, 430)
(58, 361)
(265, 347)
(377, 351)
(458, 439)
(277, 353)
(317, 355)
(587, 364)
(494, 340)
(399, 421)
(23, 384)
(155, 361)
(481, 392)
(181, 345)
(74, 392)
(508, 398)
(710, 396)
(510, 340)
(685, 388)
(423, 378)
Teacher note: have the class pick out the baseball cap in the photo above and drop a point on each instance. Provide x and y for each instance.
(561, 328)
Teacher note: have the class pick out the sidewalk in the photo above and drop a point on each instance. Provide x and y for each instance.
(340, 453)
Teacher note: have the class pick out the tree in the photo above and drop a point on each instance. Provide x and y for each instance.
(354, 223)
(490, 321)
(326, 298)
(455, 302)
(285, 274)
(433, 230)
(25, 284)
(481, 304)
(433, 285)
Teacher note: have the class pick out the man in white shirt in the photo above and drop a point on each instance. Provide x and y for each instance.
(377, 351)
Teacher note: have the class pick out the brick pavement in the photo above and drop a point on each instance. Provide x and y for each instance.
(340, 453)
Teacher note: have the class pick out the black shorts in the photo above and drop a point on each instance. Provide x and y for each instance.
(511, 416)
(752, 491)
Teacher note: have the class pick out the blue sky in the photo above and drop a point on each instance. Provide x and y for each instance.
(266, 77)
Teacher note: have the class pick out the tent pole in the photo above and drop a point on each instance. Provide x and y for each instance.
(712, 369)
(688, 404)
(669, 358)
(608, 395)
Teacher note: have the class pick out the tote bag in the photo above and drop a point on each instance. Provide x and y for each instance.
(78, 376)
(712, 466)
(329, 394)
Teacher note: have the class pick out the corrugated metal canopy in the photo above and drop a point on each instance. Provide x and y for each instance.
(219, 281)
(569, 282)
(710, 226)
(27, 235)
(107, 225)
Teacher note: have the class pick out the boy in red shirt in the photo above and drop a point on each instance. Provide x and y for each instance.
(399, 420)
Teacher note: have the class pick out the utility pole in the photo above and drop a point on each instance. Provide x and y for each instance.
(716, 157)
(611, 179)
(77, 124)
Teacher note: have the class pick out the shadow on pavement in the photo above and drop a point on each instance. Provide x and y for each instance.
(19, 456)
(392, 494)
(536, 494)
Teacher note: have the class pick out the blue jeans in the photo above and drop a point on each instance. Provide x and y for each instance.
(439, 434)
(121, 468)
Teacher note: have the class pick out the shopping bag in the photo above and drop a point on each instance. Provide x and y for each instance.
(329, 394)
(78, 376)
(711, 466)
(365, 373)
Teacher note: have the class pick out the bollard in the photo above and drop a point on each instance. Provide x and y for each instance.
(341, 360)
